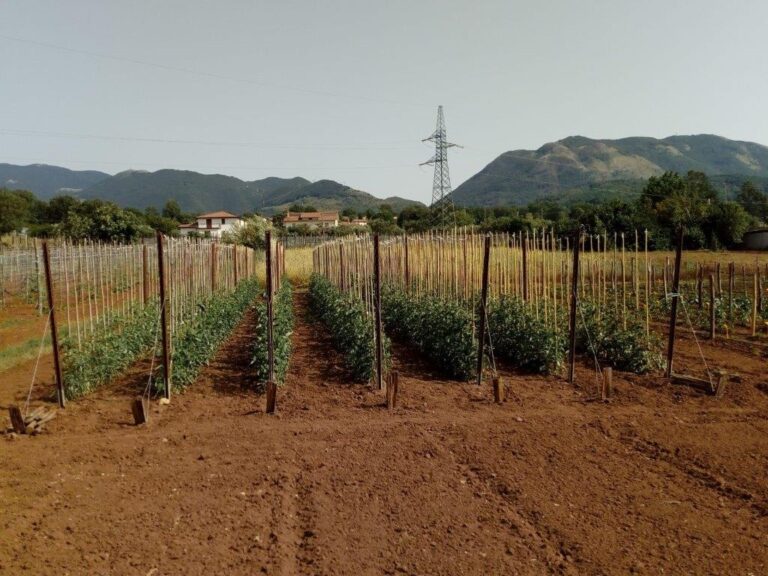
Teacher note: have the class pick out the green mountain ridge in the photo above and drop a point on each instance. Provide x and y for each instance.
(195, 192)
(580, 167)
(47, 181)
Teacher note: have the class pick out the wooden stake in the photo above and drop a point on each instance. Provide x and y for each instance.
(574, 303)
(271, 397)
(270, 319)
(393, 382)
(145, 274)
(140, 409)
(483, 309)
(675, 299)
(54, 327)
(607, 387)
(712, 325)
(167, 368)
(498, 390)
(377, 312)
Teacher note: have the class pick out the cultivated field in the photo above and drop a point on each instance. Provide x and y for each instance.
(652, 476)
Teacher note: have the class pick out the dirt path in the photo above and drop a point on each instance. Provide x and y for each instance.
(662, 480)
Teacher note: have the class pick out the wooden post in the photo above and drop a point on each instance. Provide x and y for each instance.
(54, 326)
(214, 266)
(342, 272)
(140, 410)
(270, 336)
(17, 420)
(731, 271)
(675, 298)
(234, 264)
(755, 291)
(393, 382)
(712, 326)
(145, 274)
(377, 311)
(574, 304)
(167, 368)
(498, 390)
(271, 396)
(407, 267)
(699, 282)
(483, 309)
(525, 267)
(607, 387)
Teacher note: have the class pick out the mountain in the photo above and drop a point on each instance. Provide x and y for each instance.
(197, 192)
(579, 168)
(47, 181)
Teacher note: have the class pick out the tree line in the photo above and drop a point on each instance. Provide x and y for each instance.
(665, 203)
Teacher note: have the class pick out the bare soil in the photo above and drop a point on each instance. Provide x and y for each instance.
(661, 480)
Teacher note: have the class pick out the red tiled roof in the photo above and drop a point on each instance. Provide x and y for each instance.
(219, 214)
(311, 217)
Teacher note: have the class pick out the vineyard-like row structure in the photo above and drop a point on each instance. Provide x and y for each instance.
(622, 293)
(110, 307)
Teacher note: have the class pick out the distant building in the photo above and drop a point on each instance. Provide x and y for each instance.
(355, 221)
(213, 224)
(311, 219)
(756, 239)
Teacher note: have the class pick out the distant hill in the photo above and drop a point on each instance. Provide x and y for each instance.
(204, 192)
(580, 168)
(193, 191)
(47, 181)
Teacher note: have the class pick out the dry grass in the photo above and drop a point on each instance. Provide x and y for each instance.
(298, 265)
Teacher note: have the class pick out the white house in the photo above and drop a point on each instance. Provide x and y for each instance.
(213, 224)
(311, 219)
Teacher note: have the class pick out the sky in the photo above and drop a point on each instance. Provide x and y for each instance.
(346, 90)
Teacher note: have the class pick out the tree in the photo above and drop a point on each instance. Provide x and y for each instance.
(252, 233)
(16, 210)
(753, 200)
(173, 211)
(301, 208)
(729, 222)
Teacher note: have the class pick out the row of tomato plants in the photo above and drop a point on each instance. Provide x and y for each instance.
(200, 338)
(351, 328)
(282, 328)
(126, 339)
(445, 332)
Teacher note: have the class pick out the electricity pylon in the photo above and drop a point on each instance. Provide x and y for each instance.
(441, 183)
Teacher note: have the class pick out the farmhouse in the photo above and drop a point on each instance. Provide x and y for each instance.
(311, 219)
(213, 224)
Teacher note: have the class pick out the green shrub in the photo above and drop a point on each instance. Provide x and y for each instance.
(442, 330)
(351, 328)
(521, 339)
(109, 351)
(201, 336)
(629, 349)
(281, 335)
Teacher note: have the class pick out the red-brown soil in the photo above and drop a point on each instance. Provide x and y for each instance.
(661, 480)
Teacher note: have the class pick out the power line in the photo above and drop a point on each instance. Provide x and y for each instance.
(352, 146)
(205, 74)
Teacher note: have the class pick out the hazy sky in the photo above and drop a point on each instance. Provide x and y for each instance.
(347, 89)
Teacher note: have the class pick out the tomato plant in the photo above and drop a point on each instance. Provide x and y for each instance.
(351, 328)
(281, 334)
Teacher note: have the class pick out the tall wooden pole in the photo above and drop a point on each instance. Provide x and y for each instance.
(483, 308)
(407, 268)
(377, 311)
(164, 317)
(574, 304)
(54, 327)
(525, 266)
(675, 298)
(270, 343)
(271, 385)
(145, 274)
